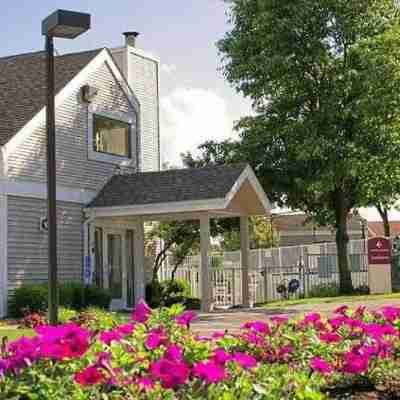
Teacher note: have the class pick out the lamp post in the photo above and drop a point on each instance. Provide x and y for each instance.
(67, 25)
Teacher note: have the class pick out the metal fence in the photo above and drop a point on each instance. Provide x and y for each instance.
(308, 269)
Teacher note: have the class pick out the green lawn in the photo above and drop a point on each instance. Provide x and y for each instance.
(328, 300)
(14, 333)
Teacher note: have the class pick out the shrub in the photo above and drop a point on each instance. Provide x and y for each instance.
(324, 290)
(167, 293)
(28, 299)
(33, 298)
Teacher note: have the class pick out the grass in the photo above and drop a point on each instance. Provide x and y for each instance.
(13, 333)
(328, 300)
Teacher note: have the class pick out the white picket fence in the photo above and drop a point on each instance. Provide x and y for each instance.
(268, 268)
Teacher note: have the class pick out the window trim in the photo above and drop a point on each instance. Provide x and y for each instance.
(130, 118)
(129, 136)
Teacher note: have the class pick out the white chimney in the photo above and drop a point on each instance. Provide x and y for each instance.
(130, 38)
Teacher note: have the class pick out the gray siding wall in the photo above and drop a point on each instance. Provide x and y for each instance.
(143, 78)
(73, 167)
(27, 245)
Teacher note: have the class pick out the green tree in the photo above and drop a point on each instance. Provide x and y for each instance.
(323, 76)
(262, 235)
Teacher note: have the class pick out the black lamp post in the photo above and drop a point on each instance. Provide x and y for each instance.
(68, 25)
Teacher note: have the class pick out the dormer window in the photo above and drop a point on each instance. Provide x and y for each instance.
(111, 136)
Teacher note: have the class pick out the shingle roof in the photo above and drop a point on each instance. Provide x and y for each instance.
(168, 186)
(23, 86)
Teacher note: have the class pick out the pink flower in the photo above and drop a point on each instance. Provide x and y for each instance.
(279, 319)
(64, 341)
(221, 356)
(390, 313)
(355, 363)
(141, 313)
(330, 337)
(245, 360)
(107, 337)
(89, 376)
(378, 331)
(203, 338)
(258, 326)
(155, 338)
(174, 353)
(218, 334)
(360, 310)
(126, 329)
(209, 371)
(145, 384)
(312, 318)
(319, 365)
(186, 318)
(337, 322)
(170, 373)
(253, 338)
(341, 310)
(284, 352)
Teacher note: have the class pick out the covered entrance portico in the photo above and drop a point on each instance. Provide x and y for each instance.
(114, 232)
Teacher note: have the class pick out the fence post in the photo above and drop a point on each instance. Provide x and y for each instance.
(306, 271)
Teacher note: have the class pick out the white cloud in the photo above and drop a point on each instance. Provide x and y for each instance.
(168, 68)
(190, 116)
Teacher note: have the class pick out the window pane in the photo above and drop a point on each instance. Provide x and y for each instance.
(111, 136)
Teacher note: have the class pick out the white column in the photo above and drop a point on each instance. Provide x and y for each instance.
(204, 270)
(139, 274)
(91, 250)
(245, 253)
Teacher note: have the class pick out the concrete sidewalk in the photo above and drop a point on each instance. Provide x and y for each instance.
(232, 319)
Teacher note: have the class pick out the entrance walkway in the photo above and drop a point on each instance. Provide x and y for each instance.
(231, 320)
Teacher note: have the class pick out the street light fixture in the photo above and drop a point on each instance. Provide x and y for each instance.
(67, 25)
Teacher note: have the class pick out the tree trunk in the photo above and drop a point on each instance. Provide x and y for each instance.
(342, 239)
(383, 212)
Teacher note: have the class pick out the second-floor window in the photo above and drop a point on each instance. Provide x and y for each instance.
(111, 136)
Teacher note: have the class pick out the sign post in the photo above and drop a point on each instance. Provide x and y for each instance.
(379, 265)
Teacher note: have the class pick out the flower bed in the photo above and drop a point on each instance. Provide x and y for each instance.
(156, 356)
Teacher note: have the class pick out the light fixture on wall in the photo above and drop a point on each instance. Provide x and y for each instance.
(88, 93)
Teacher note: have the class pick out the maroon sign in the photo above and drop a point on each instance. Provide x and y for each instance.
(379, 251)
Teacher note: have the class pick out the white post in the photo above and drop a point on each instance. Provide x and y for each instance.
(139, 273)
(204, 266)
(244, 247)
(3, 256)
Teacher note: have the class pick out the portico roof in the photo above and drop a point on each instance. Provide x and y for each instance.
(221, 190)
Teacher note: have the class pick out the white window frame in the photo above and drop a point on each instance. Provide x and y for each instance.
(129, 118)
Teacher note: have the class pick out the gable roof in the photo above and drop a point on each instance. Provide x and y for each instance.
(23, 85)
(213, 182)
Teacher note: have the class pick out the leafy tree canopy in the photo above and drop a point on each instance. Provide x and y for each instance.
(323, 76)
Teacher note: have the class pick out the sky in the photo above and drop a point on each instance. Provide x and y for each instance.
(196, 102)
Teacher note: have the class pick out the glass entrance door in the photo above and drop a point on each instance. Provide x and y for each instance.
(115, 266)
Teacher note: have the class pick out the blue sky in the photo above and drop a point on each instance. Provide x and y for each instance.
(196, 102)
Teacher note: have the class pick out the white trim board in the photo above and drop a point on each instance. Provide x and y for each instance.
(39, 191)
